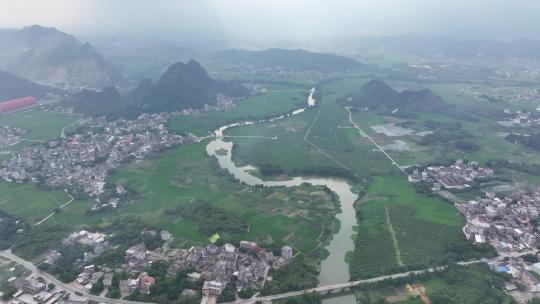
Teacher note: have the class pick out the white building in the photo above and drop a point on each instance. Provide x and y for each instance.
(287, 252)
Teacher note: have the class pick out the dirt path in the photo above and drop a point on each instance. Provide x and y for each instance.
(394, 239)
(71, 199)
(308, 132)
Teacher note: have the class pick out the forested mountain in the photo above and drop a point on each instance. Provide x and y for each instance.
(183, 85)
(376, 94)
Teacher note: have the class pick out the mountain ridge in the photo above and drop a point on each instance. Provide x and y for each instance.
(48, 55)
(12, 87)
(182, 86)
(377, 94)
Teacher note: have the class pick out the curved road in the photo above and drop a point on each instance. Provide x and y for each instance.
(60, 285)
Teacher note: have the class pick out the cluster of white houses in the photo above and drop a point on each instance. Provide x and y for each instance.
(460, 175)
(214, 265)
(508, 223)
(80, 162)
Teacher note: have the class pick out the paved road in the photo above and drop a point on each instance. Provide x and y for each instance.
(327, 288)
(372, 141)
(54, 212)
(72, 289)
(308, 132)
(332, 287)
(60, 285)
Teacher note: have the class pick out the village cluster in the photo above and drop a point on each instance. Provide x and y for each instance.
(529, 94)
(520, 118)
(214, 265)
(80, 162)
(223, 102)
(33, 290)
(509, 225)
(9, 136)
(460, 175)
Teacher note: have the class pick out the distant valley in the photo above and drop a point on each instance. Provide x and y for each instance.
(300, 60)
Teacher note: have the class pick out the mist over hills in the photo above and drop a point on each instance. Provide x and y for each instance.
(48, 55)
(377, 94)
(454, 47)
(138, 57)
(300, 60)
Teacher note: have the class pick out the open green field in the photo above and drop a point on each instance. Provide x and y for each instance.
(39, 125)
(318, 140)
(474, 115)
(423, 228)
(485, 127)
(27, 201)
(276, 101)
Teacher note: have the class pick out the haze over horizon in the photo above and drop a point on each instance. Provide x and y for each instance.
(278, 20)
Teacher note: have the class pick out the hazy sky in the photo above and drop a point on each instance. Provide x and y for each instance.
(281, 19)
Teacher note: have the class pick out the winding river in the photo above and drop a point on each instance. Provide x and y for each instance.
(334, 269)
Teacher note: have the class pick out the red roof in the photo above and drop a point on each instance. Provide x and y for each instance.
(259, 250)
(148, 280)
(19, 103)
